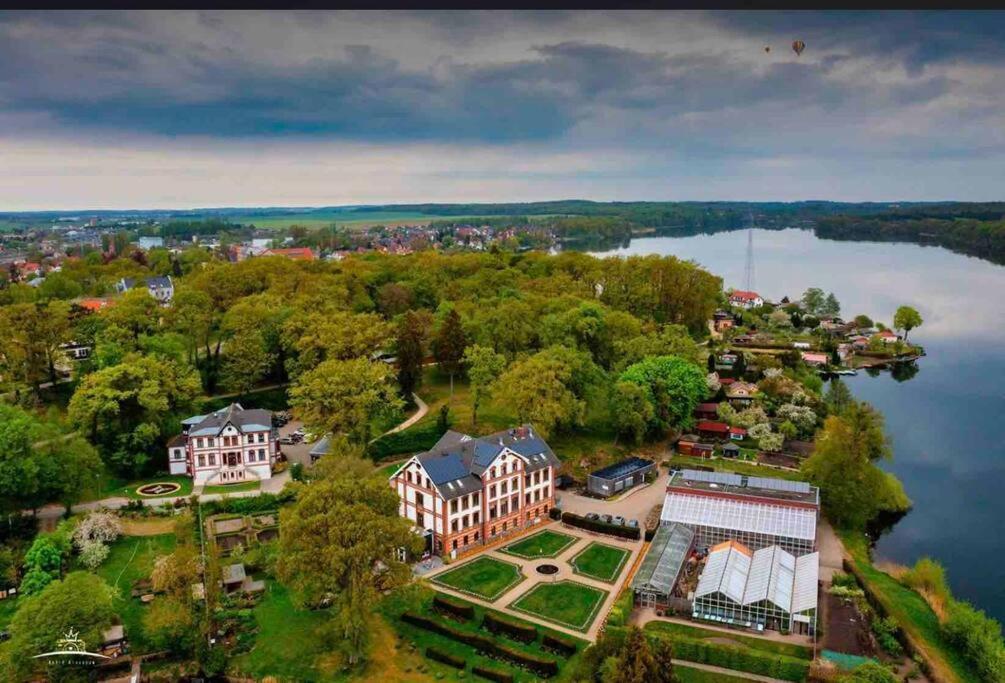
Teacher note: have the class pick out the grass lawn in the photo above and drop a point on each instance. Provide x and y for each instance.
(387, 470)
(730, 465)
(484, 577)
(564, 602)
(287, 644)
(911, 611)
(132, 558)
(233, 488)
(600, 561)
(674, 629)
(686, 674)
(128, 490)
(418, 599)
(542, 544)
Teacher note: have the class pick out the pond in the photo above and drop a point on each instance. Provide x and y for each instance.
(943, 419)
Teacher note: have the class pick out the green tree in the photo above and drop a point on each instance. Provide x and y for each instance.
(862, 321)
(344, 397)
(341, 540)
(30, 335)
(673, 387)
(838, 396)
(978, 637)
(813, 301)
(449, 345)
(484, 368)
(246, 361)
(43, 564)
(409, 345)
(632, 411)
(831, 305)
(169, 624)
(128, 409)
(853, 490)
(81, 601)
(670, 340)
(906, 318)
(872, 672)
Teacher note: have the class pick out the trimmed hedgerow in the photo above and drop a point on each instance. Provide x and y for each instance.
(492, 674)
(486, 646)
(559, 645)
(601, 527)
(444, 604)
(446, 658)
(499, 624)
(740, 659)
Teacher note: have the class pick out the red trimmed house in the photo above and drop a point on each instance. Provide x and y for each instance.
(744, 299)
(737, 433)
(706, 411)
(710, 429)
(689, 444)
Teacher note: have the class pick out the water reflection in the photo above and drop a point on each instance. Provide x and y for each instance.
(943, 413)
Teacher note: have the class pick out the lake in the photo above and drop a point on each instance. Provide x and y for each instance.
(948, 450)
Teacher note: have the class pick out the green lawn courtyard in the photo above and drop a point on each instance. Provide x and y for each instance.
(600, 561)
(232, 488)
(568, 603)
(485, 578)
(542, 544)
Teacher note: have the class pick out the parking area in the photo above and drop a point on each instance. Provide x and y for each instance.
(632, 504)
(294, 452)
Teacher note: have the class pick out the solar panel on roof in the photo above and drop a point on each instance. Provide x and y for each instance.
(778, 484)
(727, 478)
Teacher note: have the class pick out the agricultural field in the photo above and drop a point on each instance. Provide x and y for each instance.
(347, 218)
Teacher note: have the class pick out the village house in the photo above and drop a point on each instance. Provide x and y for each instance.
(740, 393)
(228, 446)
(689, 444)
(722, 320)
(746, 300)
(294, 253)
(160, 288)
(888, 337)
(813, 358)
(466, 490)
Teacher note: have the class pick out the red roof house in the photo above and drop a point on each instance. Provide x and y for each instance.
(711, 429)
(295, 253)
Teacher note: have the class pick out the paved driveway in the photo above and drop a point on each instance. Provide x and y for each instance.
(634, 504)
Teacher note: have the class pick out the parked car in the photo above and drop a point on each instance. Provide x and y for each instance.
(286, 440)
(633, 523)
(619, 520)
(592, 515)
(606, 519)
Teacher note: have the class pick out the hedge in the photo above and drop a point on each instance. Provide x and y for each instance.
(740, 659)
(601, 527)
(539, 665)
(497, 624)
(264, 502)
(650, 535)
(560, 645)
(492, 675)
(446, 658)
(452, 607)
(555, 514)
(415, 439)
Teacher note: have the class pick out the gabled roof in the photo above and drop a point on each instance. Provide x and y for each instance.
(726, 571)
(711, 426)
(254, 420)
(744, 295)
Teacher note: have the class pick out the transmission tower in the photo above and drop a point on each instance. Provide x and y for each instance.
(748, 282)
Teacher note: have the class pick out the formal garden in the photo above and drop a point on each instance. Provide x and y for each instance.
(485, 577)
(542, 544)
(600, 561)
(568, 603)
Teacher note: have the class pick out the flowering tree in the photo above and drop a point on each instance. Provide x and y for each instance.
(97, 527)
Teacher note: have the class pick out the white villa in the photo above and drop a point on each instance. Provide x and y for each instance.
(228, 446)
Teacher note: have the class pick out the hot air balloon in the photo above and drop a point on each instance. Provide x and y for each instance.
(798, 46)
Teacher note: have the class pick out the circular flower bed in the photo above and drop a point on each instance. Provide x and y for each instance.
(162, 488)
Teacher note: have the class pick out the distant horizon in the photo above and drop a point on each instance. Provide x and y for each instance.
(411, 205)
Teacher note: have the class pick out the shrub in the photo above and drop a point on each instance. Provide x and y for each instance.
(560, 645)
(492, 674)
(102, 527)
(412, 440)
(600, 527)
(453, 607)
(93, 553)
(730, 657)
(497, 623)
(621, 609)
(979, 638)
(886, 631)
(555, 514)
(446, 658)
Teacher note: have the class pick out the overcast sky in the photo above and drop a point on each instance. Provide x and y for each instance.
(188, 109)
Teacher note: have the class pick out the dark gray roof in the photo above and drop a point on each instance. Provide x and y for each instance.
(457, 460)
(322, 447)
(254, 419)
(159, 281)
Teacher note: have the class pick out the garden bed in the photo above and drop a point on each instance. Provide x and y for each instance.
(568, 603)
(542, 544)
(600, 561)
(485, 577)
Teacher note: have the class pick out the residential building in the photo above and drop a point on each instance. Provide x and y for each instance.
(888, 337)
(814, 358)
(160, 288)
(224, 447)
(147, 242)
(466, 490)
(689, 444)
(746, 300)
(740, 393)
(294, 253)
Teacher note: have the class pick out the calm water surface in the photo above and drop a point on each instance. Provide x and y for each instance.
(947, 421)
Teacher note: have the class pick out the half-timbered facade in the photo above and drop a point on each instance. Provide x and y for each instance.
(467, 490)
(225, 447)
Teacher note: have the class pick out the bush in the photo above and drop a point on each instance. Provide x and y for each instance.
(730, 657)
(492, 675)
(498, 624)
(979, 638)
(650, 535)
(600, 527)
(555, 514)
(446, 658)
(886, 631)
(622, 608)
(539, 665)
(93, 553)
(453, 607)
(560, 645)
